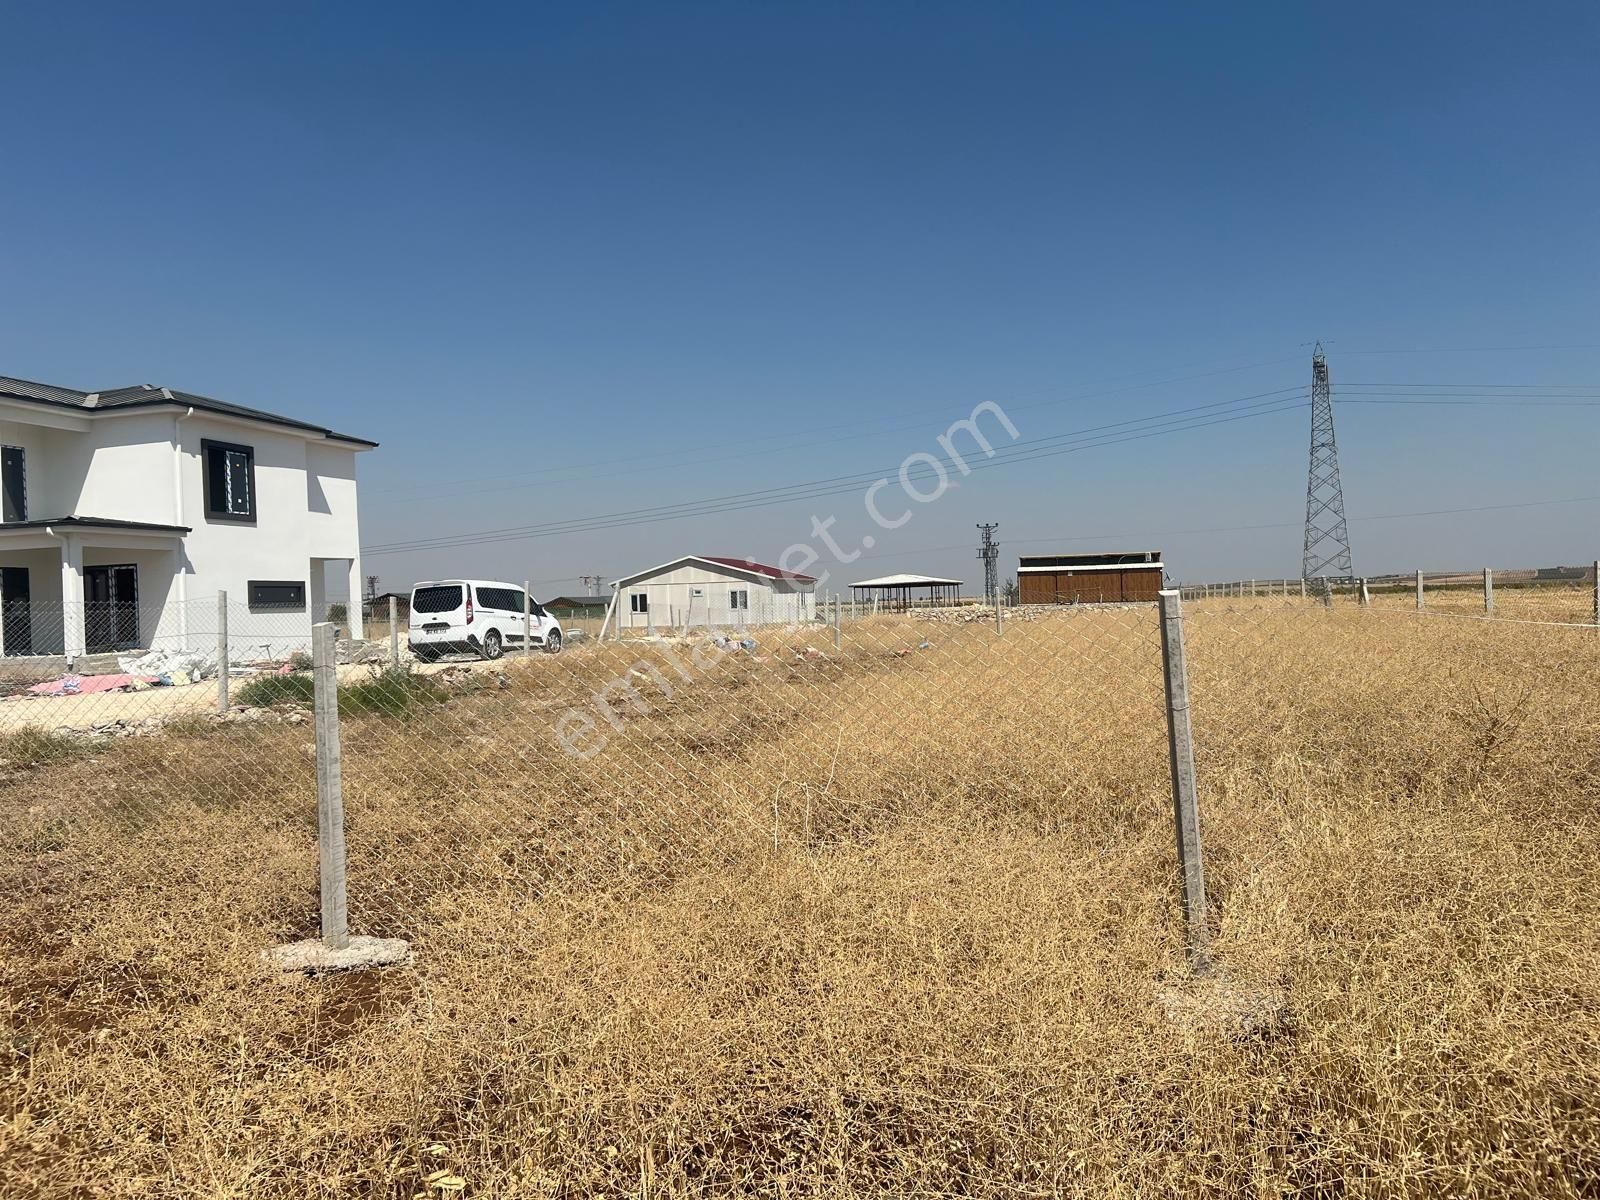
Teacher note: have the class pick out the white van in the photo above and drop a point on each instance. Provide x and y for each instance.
(478, 616)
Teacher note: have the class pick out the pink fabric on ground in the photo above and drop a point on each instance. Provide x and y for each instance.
(86, 684)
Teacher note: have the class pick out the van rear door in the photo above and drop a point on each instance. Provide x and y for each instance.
(438, 606)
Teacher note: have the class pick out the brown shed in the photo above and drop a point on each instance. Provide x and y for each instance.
(1112, 578)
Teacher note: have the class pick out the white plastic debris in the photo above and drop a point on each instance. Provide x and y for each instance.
(168, 664)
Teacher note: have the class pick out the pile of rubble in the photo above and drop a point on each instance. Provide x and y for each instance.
(978, 614)
(464, 679)
(969, 614)
(123, 727)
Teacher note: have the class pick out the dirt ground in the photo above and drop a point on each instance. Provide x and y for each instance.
(891, 918)
(85, 712)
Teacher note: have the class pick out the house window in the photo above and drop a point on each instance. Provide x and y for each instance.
(274, 595)
(639, 602)
(739, 598)
(14, 483)
(230, 481)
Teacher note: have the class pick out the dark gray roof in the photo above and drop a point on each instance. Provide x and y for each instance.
(578, 602)
(95, 523)
(41, 391)
(149, 396)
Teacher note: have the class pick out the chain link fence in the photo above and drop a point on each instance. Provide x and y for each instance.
(636, 871)
(610, 767)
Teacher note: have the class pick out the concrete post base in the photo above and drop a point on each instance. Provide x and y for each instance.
(1213, 1002)
(312, 956)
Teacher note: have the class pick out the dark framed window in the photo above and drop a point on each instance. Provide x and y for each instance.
(639, 602)
(230, 480)
(739, 598)
(277, 595)
(14, 480)
(500, 599)
(441, 598)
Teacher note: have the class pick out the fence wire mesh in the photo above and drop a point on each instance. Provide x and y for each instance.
(721, 909)
(606, 768)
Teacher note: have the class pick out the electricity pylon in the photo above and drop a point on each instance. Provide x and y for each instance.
(1326, 553)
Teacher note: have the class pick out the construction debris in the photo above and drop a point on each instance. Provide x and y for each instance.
(168, 665)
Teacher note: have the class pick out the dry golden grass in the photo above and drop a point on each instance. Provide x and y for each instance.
(1573, 603)
(872, 923)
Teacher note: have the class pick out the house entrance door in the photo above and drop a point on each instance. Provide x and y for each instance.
(111, 613)
(16, 610)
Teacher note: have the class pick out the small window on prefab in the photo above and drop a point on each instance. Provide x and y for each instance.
(230, 480)
(639, 602)
(277, 596)
(739, 598)
(500, 599)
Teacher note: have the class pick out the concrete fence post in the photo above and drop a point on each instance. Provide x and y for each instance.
(1419, 590)
(394, 633)
(527, 619)
(1185, 801)
(330, 797)
(1302, 587)
(1366, 596)
(1488, 590)
(838, 633)
(1597, 591)
(222, 652)
(999, 616)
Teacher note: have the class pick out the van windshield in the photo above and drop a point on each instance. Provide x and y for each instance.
(436, 599)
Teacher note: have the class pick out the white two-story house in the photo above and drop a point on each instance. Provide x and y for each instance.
(123, 513)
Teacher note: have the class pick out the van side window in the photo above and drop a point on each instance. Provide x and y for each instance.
(500, 599)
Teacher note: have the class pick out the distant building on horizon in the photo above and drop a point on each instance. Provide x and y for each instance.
(1112, 577)
(707, 589)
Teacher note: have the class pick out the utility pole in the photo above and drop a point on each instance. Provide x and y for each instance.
(989, 554)
(1326, 552)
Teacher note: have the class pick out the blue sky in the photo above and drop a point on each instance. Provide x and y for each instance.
(571, 260)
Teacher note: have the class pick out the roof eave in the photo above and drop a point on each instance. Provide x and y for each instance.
(159, 401)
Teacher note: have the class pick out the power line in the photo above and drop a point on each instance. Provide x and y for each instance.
(868, 476)
(1488, 402)
(1470, 349)
(1587, 387)
(1154, 533)
(787, 439)
(1177, 422)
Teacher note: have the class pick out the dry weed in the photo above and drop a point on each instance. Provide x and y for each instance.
(886, 920)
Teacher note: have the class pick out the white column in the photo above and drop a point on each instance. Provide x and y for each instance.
(74, 636)
(357, 622)
(319, 590)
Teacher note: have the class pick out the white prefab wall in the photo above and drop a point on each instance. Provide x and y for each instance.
(701, 594)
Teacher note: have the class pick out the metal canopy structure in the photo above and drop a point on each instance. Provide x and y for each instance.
(898, 591)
